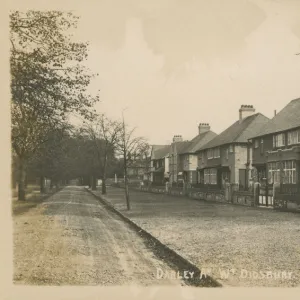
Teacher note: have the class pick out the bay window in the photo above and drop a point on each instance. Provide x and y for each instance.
(210, 176)
(289, 172)
(274, 172)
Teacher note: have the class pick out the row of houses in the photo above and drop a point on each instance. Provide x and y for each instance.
(253, 149)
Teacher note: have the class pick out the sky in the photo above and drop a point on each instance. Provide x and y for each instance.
(172, 64)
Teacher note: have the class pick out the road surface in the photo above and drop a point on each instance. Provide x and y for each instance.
(71, 239)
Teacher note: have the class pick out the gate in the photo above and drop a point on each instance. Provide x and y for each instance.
(265, 194)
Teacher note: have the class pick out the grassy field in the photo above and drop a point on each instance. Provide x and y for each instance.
(224, 239)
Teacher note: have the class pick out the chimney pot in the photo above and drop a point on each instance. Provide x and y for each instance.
(246, 111)
(203, 127)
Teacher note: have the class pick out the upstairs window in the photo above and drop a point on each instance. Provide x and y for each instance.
(210, 153)
(262, 146)
(216, 152)
(278, 140)
(256, 144)
(213, 153)
(294, 137)
(231, 148)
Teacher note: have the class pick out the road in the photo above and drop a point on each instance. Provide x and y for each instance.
(71, 239)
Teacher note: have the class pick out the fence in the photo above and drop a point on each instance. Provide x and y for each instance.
(231, 194)
(227, 195)
(287, 197)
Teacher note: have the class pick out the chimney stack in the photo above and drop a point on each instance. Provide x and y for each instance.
(203, 127)
(246, 111)
(275, 113)
(177, 138)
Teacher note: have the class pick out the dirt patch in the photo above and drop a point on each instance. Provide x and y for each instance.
(72, 240)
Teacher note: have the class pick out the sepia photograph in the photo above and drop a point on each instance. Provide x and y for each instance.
(155, 144)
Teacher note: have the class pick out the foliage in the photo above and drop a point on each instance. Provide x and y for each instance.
(48, 80)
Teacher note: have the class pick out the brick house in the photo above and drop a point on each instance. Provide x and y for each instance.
(159, 164)
(276, 148)
(225, 157)
(188, 156)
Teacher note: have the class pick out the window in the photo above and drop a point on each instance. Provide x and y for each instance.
(213, 176)
(210, 154)
(227, 153)
(289, 172)
(294, 137)
(206, 176)
(278, 140)
(256, 143)
(216, 152)
(213, 153)
(262, 146)
(210, 176)
(231, 148)
(274, 172)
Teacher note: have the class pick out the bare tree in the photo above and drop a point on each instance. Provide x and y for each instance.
(105, 134)
(130, 148)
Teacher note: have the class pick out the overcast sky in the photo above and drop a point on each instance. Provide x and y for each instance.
(175, 63)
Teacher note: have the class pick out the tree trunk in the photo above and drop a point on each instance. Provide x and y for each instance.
(126, 188)
(42, 184)
(21, 183)
(104, 176)
(94, 183)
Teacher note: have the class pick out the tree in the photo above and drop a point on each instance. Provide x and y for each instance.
(52, 159)
(105, 134)
(130, 147)
(48, 80)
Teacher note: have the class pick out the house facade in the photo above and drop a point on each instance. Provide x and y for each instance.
(188, 156)
(159, 164)
(226, 157)
(276, 149)
(176, 161)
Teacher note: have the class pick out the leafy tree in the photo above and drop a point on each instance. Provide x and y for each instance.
(52, 159)
(48, 80)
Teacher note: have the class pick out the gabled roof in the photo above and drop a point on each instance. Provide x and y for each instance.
(160, 151)
(181, 146)
(287, 118)
(199, 141)
(239, 132)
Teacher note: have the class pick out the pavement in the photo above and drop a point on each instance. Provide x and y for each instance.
(71, 239)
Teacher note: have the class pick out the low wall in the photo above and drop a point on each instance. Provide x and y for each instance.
(243, 198)
(208, 195)
(289, 202)
(236, 197)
